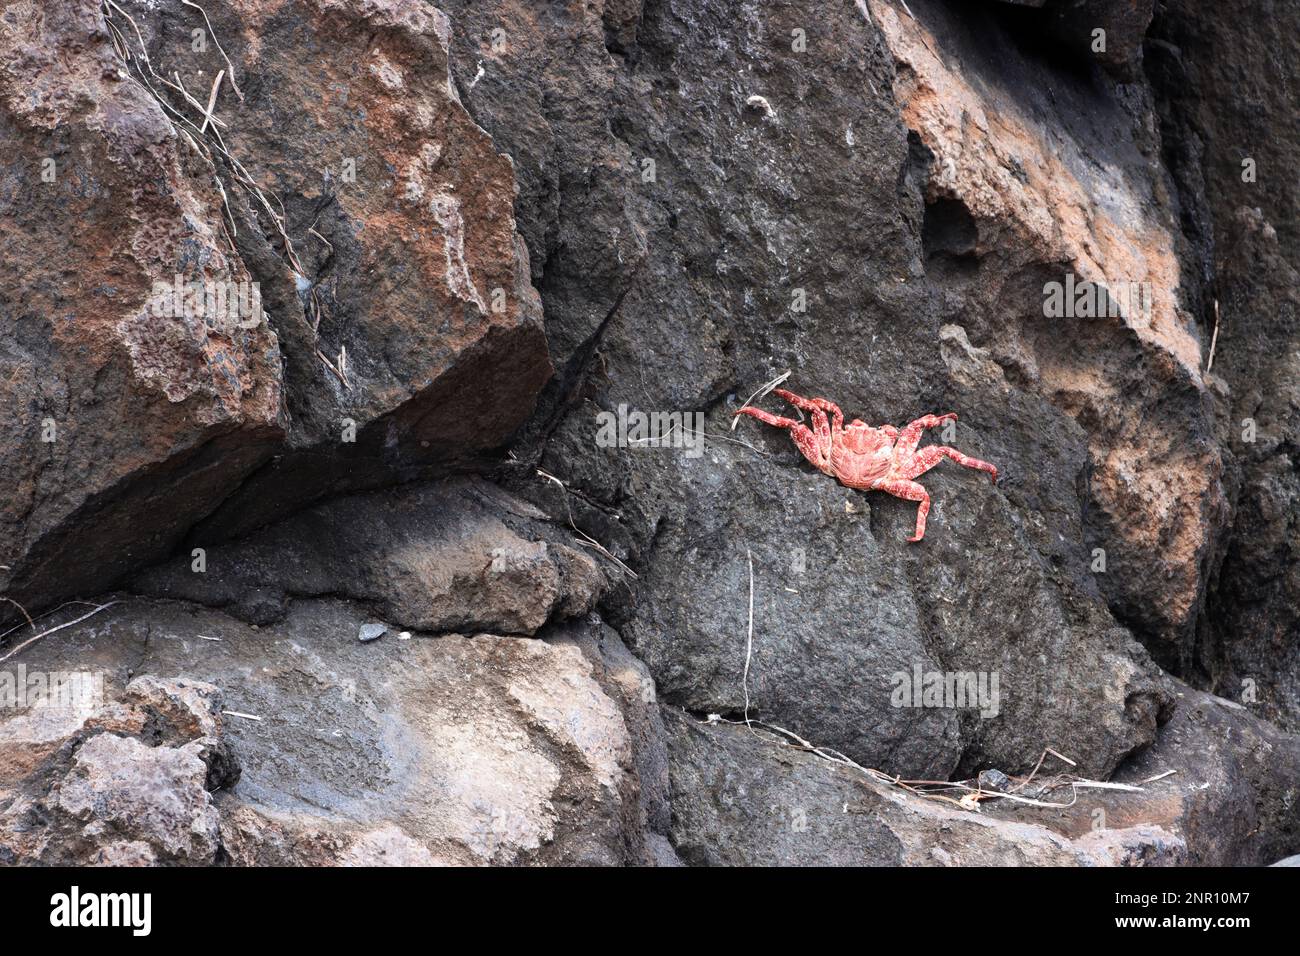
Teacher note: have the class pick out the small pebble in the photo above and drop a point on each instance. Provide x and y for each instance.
(994, 780)
(371, 632)
(759, 104)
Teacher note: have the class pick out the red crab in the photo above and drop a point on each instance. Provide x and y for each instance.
(870, 459)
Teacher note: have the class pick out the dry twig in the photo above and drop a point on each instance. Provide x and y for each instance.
(236, 713)
(587, 539)
(749, 640)
(1214, 339)
(32, 640)
(212, 101)
(30, 622)
(763, 390)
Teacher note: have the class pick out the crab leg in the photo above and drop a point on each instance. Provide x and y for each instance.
(910, 436)
(808, 442)
(931, 455)
(828, 433)
(911, 491)
(813, 405)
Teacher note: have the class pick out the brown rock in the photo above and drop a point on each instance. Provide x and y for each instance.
(125, 425)
(351, 187)
(405, 253)
(1232, 152)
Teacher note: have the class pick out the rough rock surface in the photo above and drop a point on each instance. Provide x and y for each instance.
(461, 555)
(483, 229)
(751, 209)
(124, 426)
(401, 329)
(1040, 184)
(1242, 209)
(406, 271)
(1233, 797)
(449, 749)
(121, 782)
(745, 800)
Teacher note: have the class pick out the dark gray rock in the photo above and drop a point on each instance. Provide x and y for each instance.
(1223, 118)
(458, 555)
(741, 798)
(994, 780)
(826, 195)
(371, 632)
(1230, 798)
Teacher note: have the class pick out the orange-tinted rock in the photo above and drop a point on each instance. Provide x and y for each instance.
(1050, 187)
(122, 426)
(399, 311)
(407, 276)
